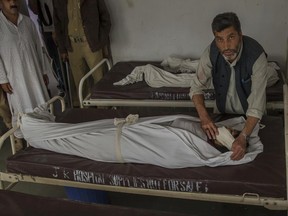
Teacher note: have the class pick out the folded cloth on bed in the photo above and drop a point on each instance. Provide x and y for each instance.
(156, 77)
(176, 65)
(175, 141)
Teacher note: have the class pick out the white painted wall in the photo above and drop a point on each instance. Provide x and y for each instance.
(156, 29)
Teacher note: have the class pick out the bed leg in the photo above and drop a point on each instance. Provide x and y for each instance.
(12, 141)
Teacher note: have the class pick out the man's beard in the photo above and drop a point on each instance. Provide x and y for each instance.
(233, 53)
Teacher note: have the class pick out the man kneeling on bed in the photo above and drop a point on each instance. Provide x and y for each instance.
(237, 67)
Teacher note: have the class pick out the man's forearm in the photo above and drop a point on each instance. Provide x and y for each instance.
(206, 122)
(249, 126)
(198, 101)
(239, 145)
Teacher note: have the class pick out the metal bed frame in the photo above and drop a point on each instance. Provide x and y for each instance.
(246, 198)
(87, 101)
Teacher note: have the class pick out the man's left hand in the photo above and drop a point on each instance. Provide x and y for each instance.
(238, 148)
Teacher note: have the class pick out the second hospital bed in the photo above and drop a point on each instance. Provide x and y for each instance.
(262, 182)
(104, 93)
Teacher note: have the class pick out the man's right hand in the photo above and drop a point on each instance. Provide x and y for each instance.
(7, 88)
(207, 124)
(209, 128)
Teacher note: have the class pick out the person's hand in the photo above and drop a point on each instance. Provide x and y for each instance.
(64, 57)
(209, 128)
(238, 148)
(46, 79)
(7, 88)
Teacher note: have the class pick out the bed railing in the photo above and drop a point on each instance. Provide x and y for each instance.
(87, 76)
(10, 133)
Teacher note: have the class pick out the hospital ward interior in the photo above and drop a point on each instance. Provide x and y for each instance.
(133, 142)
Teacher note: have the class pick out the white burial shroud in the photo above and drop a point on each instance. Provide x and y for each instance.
(175, 141)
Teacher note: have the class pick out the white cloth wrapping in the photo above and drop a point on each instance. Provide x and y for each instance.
(174, 64)
(156, 77)
(225, 137)
(175, 141)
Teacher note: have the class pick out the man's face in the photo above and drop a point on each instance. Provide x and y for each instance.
(9, 7)
(228, 42)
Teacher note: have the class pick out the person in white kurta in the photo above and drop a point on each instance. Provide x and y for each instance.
(22, 61)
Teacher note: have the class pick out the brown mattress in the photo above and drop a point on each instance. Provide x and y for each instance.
(105, 89)
(264, 176)
(19, 204)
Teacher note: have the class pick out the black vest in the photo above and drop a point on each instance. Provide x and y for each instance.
(221, 72)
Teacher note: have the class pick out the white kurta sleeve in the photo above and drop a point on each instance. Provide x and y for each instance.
(257, 97)
(3, 77)
(41, 51)
(203, 78)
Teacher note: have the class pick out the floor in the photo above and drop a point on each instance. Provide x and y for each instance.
(165, 204)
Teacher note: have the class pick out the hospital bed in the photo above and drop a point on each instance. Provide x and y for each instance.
(262, 182)
(104, 93)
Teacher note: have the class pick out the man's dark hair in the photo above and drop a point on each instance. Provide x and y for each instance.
(226, 20)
